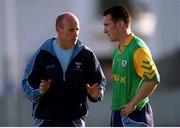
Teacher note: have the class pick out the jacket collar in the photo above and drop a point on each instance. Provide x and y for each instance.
(48, 46)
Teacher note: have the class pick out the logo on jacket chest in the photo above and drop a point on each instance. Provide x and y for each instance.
(50, 66)
(78, 66)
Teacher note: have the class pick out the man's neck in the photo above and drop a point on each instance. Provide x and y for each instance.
(124, 39)
(125, 36)
(65, 45)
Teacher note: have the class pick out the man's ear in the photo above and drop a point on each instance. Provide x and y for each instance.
(120, 24)
(58, 28)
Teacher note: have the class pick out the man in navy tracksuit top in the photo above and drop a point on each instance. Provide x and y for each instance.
(61, 75)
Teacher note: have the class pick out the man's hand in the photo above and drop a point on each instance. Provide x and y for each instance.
(44, 86)
(145, 90)
(94, 90)
(127, 109)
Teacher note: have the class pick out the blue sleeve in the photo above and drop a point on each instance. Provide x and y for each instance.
(99, 77)
(30, 91)
(102, 82)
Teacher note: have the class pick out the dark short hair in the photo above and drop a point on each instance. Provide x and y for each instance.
(119, 12)
(59, 19)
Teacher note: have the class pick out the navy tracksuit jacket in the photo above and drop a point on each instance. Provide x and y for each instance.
(67, 97)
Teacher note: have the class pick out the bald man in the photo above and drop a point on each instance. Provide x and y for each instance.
(61, 75)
